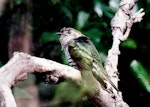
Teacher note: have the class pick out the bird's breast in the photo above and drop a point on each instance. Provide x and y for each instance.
(69, 59)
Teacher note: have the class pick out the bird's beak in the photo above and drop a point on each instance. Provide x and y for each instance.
(58, 33)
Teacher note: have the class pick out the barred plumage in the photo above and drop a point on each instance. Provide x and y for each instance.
(69, 59)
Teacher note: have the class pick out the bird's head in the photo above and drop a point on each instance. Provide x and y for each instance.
(68, 34)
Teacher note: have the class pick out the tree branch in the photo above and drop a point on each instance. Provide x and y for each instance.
(121, 26)
(21, 64)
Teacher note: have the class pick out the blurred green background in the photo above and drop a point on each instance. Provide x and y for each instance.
(30, 26)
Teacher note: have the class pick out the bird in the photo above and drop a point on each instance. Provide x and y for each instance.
(82, 55)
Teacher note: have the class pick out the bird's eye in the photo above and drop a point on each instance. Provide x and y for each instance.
(69, 32)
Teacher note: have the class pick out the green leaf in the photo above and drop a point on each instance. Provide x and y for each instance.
(67, 13)
(114, 4)
(141, 74)
(95, 34)
(48, 36)
(98, 8)
(82, 19)
(129, 43)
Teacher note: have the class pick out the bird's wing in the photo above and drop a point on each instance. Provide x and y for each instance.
(98, 70)
(84, 53)
(80, 54)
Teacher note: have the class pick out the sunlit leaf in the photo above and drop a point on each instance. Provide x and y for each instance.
(114, 3)
(98, 8)
(82, 19)
(141, 74)
(129, 43)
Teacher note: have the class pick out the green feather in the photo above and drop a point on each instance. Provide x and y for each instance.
(86, 57)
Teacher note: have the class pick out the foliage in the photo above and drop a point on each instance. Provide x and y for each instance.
(129, 43)
(141, 74)
(93, 19)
